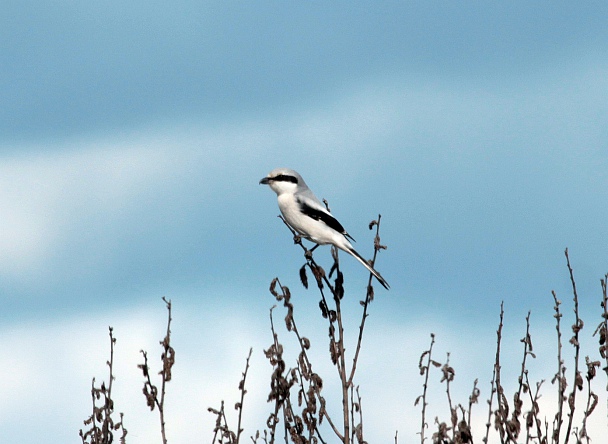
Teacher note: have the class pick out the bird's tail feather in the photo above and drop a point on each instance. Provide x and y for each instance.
(369, 267)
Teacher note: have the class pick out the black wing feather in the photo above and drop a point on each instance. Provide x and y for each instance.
(324, 217)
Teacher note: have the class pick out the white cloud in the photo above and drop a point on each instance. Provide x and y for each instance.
(96, 181)
(74, 191)
(42, 196)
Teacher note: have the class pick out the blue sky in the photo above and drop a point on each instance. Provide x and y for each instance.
(133, 137)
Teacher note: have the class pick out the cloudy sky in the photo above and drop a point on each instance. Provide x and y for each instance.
(132, 139)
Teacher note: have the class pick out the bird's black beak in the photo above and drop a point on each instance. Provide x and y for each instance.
(264, 181)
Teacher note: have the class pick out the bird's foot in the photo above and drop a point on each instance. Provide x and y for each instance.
(308, 253)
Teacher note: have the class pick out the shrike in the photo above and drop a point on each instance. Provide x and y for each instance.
(309, 217)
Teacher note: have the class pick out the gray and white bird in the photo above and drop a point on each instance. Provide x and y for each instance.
(308, 216)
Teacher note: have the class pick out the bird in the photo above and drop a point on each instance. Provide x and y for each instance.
(309, 217)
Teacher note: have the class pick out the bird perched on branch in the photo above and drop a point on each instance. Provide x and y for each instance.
(309, 217)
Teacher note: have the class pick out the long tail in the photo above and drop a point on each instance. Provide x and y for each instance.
(368, 266)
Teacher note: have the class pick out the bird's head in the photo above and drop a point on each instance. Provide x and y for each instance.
(283, 180)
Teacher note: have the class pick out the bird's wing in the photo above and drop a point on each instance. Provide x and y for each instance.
(312, 208)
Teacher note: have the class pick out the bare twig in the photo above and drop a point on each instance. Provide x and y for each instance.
(532, 419)
(576, 328)
(514, 424)
(424, 371)
(560, 375)
(279, 386)
(150, 391)
(239, 406)
(602, 328)
(222, 432)
(495, 384)
(369, 296)
(464, 427)
(103, 433)
(448, 374)
(357, 407)
(592, 398)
